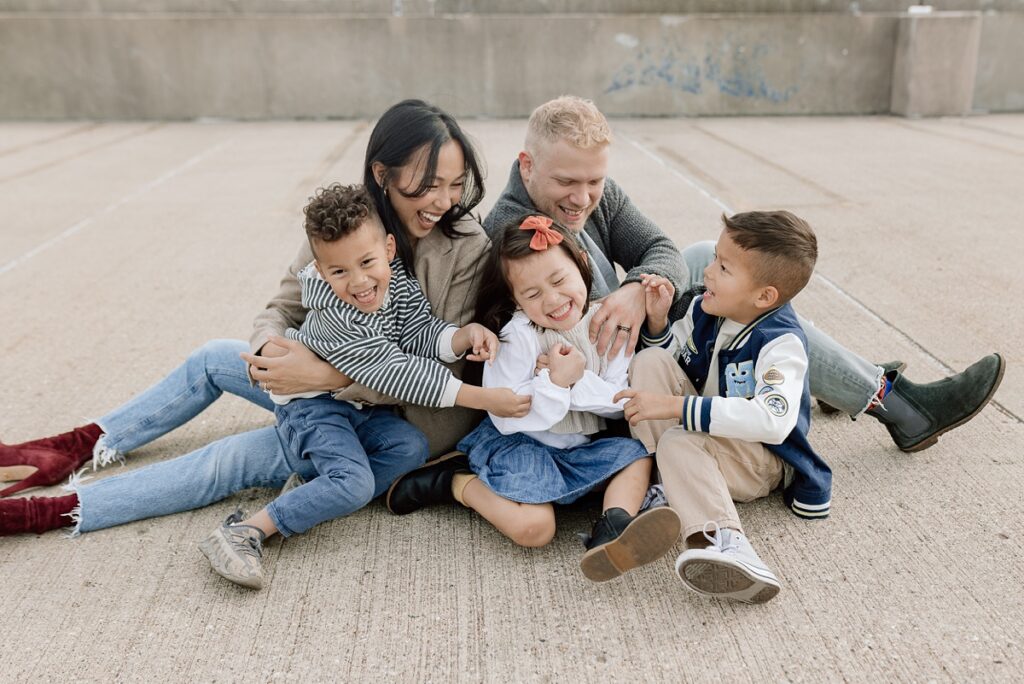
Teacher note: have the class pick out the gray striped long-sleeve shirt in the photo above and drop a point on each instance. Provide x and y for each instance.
(393, 350)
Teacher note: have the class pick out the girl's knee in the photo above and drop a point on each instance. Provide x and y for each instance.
(535, 527)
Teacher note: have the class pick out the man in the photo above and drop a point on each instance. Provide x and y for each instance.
(562, 172)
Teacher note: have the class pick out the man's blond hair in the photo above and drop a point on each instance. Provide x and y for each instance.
(569, 118)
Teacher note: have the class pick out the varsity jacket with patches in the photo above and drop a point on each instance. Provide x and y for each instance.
(757, 390)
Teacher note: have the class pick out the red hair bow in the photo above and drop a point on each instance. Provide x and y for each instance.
(544, 235)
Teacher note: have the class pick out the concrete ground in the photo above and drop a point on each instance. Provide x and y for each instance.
(124, 246)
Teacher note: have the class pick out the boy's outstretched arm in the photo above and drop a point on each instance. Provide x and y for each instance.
(500, 401)
(481, 343)
(659, 293)
(649, 406)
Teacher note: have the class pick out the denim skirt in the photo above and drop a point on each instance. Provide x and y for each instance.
(520, 468)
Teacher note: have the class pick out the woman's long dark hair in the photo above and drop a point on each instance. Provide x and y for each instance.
(495, 303)
(402, 131)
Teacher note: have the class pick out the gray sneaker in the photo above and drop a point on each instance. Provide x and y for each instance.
(235, 551)
(728, 568)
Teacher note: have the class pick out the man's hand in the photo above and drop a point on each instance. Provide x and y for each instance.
(481, 343)
(649, 406)
(288, 367)
(566, 364)
(618, 321)
(658, 295)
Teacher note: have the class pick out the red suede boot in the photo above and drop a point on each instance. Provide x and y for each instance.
(37, 514)
(54, 458)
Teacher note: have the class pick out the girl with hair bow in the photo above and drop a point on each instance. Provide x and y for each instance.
(536, 291)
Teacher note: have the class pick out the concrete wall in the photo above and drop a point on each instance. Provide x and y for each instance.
(999, 83)
(443, 7)
(206, 58)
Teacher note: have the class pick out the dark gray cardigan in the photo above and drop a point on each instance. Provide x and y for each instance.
(624, 235)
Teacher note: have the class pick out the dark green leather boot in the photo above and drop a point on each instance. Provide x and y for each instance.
(917, 414)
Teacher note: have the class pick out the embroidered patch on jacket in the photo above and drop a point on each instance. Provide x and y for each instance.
(773, 376)
(689, 351)
(739, 379)
(777, 404)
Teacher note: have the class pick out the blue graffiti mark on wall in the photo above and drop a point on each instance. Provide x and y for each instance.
(737, 72)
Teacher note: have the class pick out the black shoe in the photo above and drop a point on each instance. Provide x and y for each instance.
(888, 366)
(916, 415)
(621, 542)
(428, 485)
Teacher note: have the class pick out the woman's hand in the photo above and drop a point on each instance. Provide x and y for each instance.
(289, 367)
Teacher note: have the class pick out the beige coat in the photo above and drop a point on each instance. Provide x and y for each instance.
(448, 270)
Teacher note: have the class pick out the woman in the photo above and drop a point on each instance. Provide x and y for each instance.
(424, 177)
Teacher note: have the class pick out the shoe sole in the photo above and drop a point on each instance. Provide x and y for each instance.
(708, 576)
(934, 437)
(215, 546)
(829, 410)
(441, 459)
(17, 473)
(649, 537)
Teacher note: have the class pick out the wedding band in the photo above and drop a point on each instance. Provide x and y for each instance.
(624, 328)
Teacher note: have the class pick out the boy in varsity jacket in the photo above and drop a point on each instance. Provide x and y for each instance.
(722, 398)
(370, 320)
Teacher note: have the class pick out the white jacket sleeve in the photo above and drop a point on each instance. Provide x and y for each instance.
(771, 414)
(594, 393)
(675, 337)
(513, 368)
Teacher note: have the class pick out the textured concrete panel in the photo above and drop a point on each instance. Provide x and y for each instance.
(302, 66)
(999, 86)
(935, 64)
(441, 7)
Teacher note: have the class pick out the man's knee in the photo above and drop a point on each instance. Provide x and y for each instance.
(697, 257)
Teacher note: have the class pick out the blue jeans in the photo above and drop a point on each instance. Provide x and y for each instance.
(210, 371)
(204, 476)
(343, 443)
(837, 375)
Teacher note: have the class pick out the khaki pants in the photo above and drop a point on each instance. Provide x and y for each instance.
(702, 474)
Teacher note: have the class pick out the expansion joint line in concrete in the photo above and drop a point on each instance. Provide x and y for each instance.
(724, 206)
(110, 208)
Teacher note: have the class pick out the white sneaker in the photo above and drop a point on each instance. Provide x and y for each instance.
(728, 568)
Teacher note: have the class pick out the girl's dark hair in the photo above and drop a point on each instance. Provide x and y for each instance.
(495, 303)
(400, 132)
